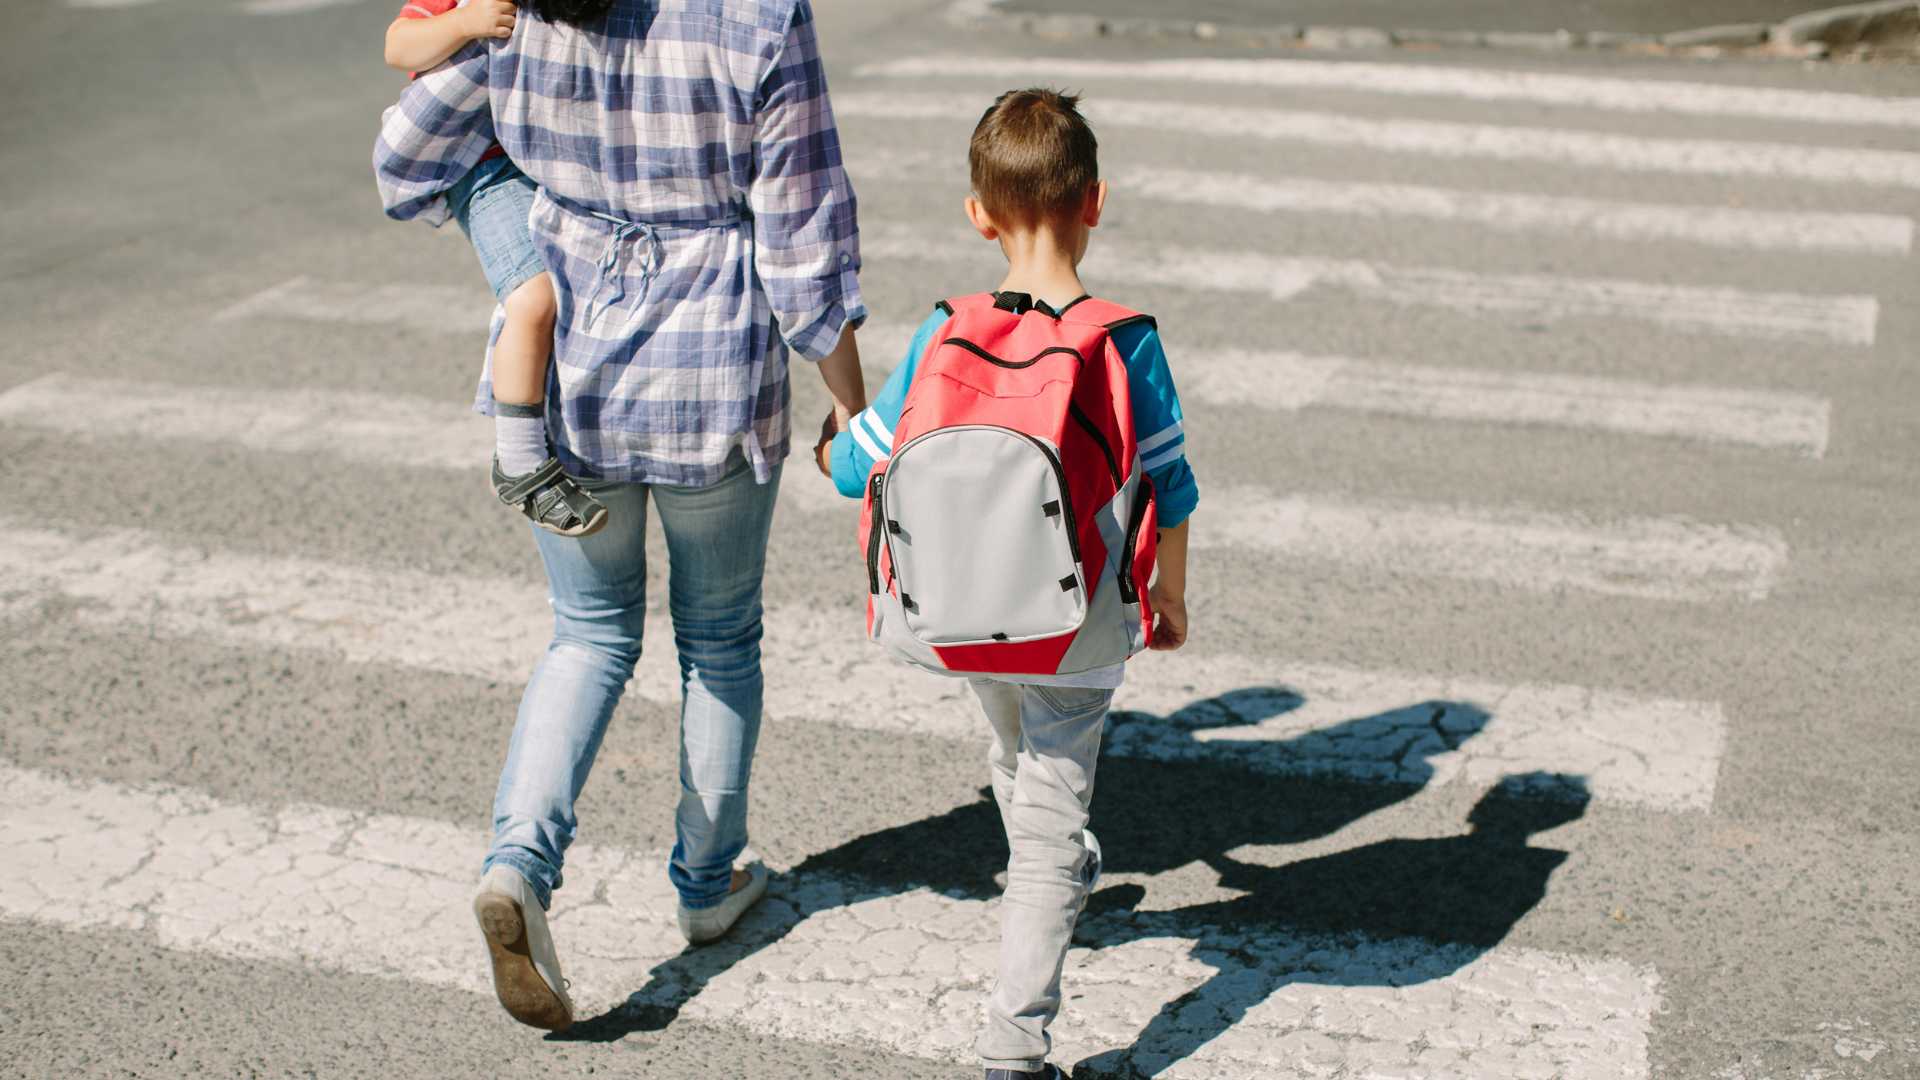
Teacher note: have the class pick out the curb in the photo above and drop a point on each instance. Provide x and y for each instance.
(1886, 29)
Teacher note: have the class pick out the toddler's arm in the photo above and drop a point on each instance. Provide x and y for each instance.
(416, 44)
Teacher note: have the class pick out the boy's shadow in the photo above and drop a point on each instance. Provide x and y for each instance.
(1193, 799)
(1462, 894)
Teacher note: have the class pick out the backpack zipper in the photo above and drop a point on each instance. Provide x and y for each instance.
(874, 528)
(1059, 477)
(1027, 363)
(1130, 592)
(1087, 424)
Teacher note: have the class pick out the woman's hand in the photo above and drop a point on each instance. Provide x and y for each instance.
(823, 450)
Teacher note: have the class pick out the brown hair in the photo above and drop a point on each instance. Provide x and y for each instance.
(1033, 157)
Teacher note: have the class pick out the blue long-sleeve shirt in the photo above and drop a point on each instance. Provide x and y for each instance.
(1157, 420)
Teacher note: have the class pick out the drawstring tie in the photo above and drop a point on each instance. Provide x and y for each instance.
(652, 254)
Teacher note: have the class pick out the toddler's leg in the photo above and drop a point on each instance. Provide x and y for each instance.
(520, 376)
(1055, 744)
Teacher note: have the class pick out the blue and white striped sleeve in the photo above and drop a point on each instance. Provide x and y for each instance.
(805, 223)
(1158, 422)
(869, 437)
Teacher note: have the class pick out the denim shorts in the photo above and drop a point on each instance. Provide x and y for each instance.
(491, 203)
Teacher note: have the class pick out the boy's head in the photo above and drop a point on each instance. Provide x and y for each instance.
(1035, 165)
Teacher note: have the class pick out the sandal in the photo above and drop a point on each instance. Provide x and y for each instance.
(551, 499)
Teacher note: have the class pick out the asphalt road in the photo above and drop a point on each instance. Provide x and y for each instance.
(1502, 474)
(1579, 16)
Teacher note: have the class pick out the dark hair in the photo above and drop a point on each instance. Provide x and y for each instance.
(571, 12)
(1033, 157)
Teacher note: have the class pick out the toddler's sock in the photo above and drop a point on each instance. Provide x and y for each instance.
(519, 436)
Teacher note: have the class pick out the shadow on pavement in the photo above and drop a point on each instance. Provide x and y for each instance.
(1194, 802)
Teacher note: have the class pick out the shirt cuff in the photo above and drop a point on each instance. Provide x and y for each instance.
(846, 473)
(840, 306)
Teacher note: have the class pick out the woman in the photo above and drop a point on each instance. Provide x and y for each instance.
(698, 223)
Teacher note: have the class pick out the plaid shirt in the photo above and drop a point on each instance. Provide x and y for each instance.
(692, 207)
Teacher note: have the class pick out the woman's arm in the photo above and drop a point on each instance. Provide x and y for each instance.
(419, 44)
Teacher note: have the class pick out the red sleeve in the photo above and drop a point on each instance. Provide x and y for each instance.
(427, 9)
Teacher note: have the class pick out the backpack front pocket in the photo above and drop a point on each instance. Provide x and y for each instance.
(982, 539)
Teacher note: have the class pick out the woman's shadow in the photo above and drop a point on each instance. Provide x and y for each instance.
(1195, 798)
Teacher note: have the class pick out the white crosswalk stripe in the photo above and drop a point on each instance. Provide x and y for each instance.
(1840, 319)
(1290, 718)
(824, 959)
(1287, 382)
(291, 7)
(1717, 226)
(1521, 548)
(1423, 80)
(1446, 139)
(1504, 211)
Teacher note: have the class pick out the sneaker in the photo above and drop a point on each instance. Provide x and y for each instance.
(1050, 1072)
(526, 970)
(1090, 873)
(702, 925)
(551, 499)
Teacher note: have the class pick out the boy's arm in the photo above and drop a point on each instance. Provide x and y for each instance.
(1169, 591)
(416, 43)
(868, 437)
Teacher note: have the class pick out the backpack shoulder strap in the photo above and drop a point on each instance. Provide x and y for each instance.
(1095, 312)
(972, 301)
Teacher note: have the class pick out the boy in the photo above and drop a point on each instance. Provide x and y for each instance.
(1036, 190)
(491, 203)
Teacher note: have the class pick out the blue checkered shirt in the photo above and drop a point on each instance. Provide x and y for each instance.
(692, 207)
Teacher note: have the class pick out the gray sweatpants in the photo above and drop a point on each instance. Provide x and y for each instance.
(1046, 742)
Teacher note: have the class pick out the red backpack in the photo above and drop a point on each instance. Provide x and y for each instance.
(1012, 531)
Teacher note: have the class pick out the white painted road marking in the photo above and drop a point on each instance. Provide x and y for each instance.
(1289, 381)
(1553, 146)
(822, 959)
(1654, 558)
(369, 427)
(290, 7)
(1838, 318)
(439, 308)
(1649, 558)
(1506, 211)
(1291, 718)
(1717, 226)
(1842, 319)
(1474, 84)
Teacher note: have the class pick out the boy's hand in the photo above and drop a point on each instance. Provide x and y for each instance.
(1170, 619)
(488, 18)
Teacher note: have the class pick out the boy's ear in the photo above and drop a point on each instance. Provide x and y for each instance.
(981, 221)
(1096, 202)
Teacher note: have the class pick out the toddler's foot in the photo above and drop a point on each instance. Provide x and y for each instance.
(1050, 1072)
(551, 499)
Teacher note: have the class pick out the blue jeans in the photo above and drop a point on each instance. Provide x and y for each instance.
(492, 204)
(716, 555)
